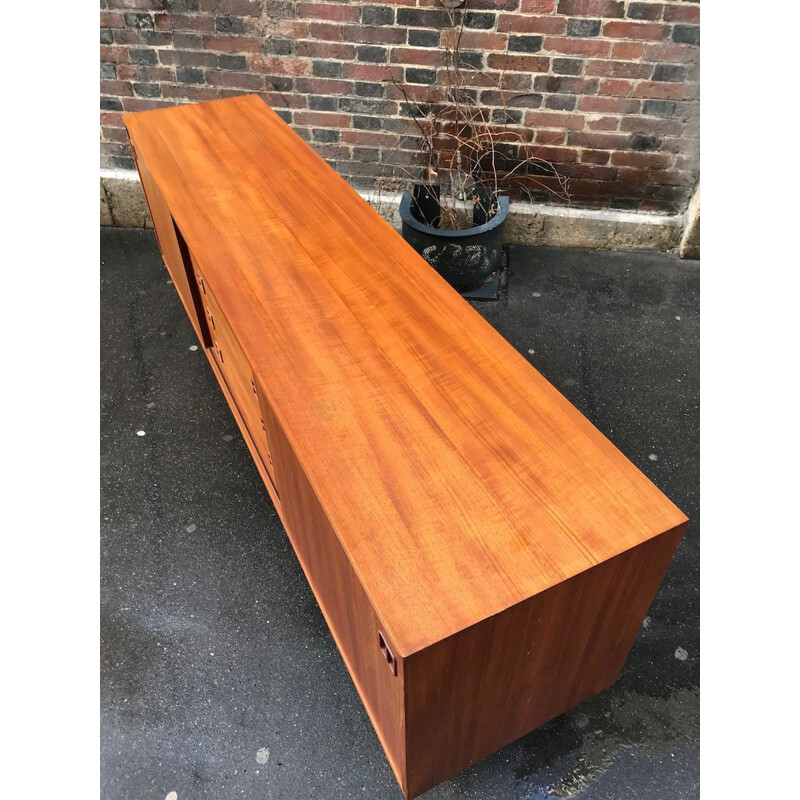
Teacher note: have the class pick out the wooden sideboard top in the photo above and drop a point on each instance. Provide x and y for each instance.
(458, 480)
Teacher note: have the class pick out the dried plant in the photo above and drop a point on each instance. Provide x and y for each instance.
(461, 147)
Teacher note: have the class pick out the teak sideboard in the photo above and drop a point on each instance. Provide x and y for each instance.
(482, 554)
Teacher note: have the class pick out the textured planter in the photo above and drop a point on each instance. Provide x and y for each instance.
(465, 258)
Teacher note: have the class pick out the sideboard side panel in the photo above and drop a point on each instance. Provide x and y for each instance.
(174, 255)
(477, 691)
(344, 603)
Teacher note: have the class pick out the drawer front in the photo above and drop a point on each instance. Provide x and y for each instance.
(232, 363)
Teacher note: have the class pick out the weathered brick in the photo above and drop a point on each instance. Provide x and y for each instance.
(561, 102)
(142, 57)
(658, 108)
(473, 19)
(326, 69)
(372, 54)
(139, 21)
(377, 15)
(369, 89)
(686, 34)
(669, 72)
(683, 12)
(583, 27)
(644, 142)
(418, 75)
(592, 8)
(423, 38)
(326, 135)
(237, 63)
(190, 75)
(110, 104)
(645, 11)
(147, 89)
(278, 46)
(559, 83)
(525, 44)
(568, 66)
(323, 103)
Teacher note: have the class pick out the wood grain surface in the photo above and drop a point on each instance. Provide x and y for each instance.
(457, 480)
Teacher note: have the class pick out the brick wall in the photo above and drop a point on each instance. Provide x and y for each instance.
(607, 90)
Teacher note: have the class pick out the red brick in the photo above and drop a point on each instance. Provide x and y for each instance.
(114, 54)
(111, 19)
(619, 69)
(278, 65)
(519, 23)
(615, 88)
(237, 80)
(548, 138)
(608, 105)
(184, 22)
(670, 53)
(368, 138)
(232, 44)
(116, 88)
(591, 171)
(476, 40)
(372, 72)
(197, 94)
(631, 175)
(336, 12)
(603, 124)
(595, 156)
(683, 12)
(335, 50)
(537, 6)
(325, 31)
(641, 160)
(665, 91)
(502, 61)
(600, 141)
(645, 31)
(627, 51)
(321, 119)
(143, 104)
(373, 35)
(111, 119)
(114, 134)
(579, 47)
(667, 127)
(542, 119)
(432, 56)
(561, 155)
(323, 86)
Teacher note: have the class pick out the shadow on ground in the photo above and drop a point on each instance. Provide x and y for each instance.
(219, 676)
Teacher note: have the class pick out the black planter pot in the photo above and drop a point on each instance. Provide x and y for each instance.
(465, 258)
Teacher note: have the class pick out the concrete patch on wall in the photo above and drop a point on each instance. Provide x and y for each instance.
(690, 240)
(122, 200)
(122, 204)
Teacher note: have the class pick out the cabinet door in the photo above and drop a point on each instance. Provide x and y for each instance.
(238, 375)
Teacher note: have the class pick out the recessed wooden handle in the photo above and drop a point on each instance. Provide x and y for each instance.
(387, 653)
